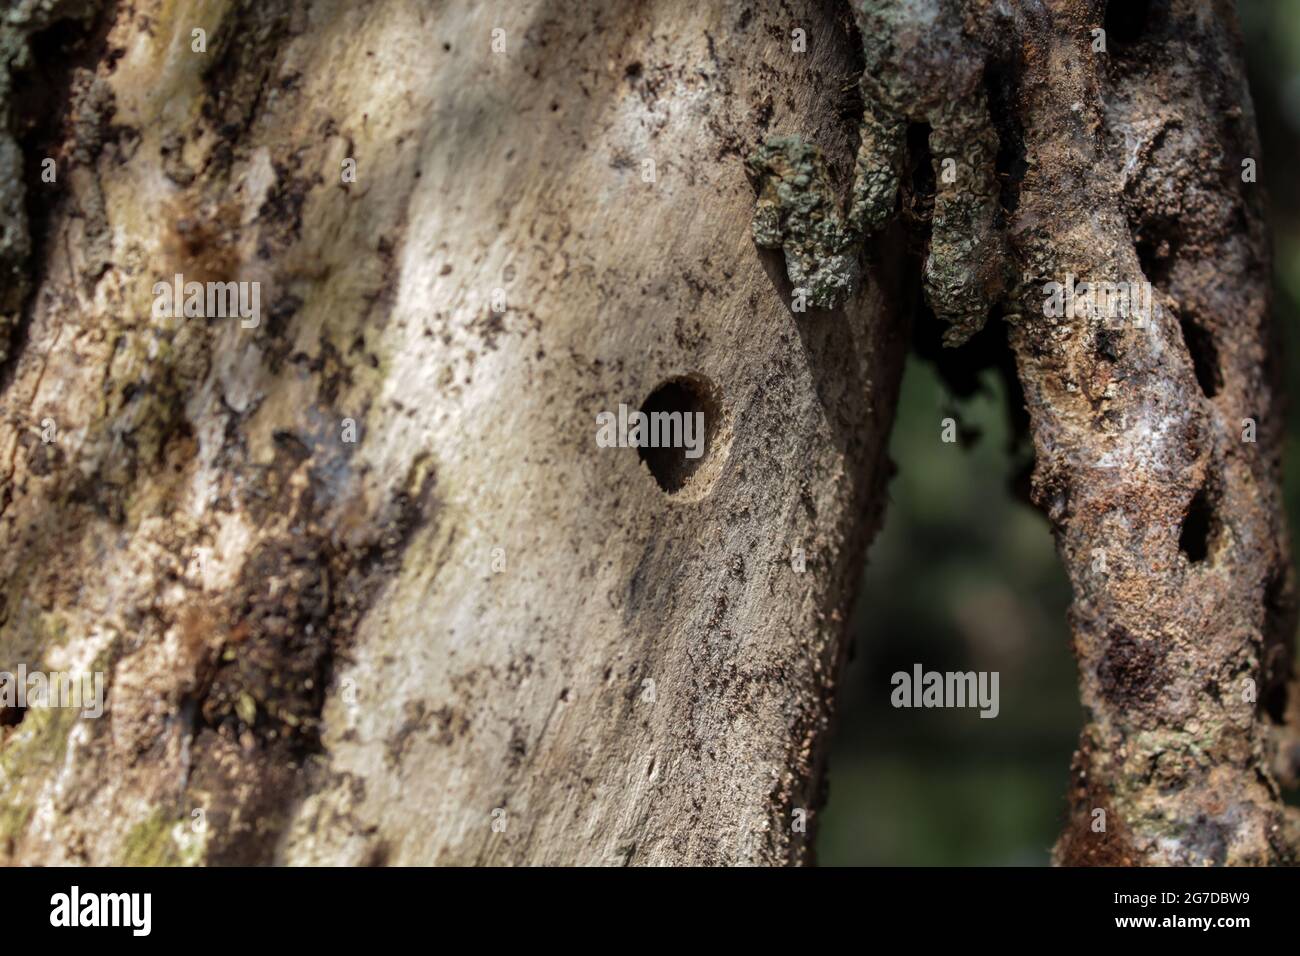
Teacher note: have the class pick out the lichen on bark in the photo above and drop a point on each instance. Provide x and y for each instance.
(930, 76)
(1120, 165)
(797, 212)
(17, 25)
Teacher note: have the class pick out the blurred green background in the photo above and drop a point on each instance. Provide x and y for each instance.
(963, 576)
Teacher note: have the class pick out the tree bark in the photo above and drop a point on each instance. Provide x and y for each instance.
(363, 583)
(1112, 145)
(472, 634)
(1158, 444)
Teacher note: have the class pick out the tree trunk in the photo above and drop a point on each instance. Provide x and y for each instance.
(363, 578)
(472, 634)
(1158, 441)
(1111, 145)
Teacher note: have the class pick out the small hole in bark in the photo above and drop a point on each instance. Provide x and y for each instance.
(1002, 85)
(1155, 255)
(921, 178)
(12, 716)
(680, 416)
(680, 419)
(1194, 541)
(1205, 357)
(1277, 643)
(1128, 21)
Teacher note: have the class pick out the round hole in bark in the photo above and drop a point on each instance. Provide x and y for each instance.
(681, 416)
(1128, 21)
(922, 173)
(1156, 257)
(1204, 355)
(1194, 540)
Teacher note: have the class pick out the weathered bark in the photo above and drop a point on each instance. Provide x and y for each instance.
(1123, 132)
(1073, 140)
(473, 634)
(373, 651)
(1165, 499)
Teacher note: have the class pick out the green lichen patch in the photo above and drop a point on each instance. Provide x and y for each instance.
(964, 272)
(150, 843)
(30, 754)
(796, 212)
(162, 839)
(876, 170)
(925, 76)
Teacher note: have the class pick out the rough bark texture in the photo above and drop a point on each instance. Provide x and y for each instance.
(472, 635)
(375, 651)
(1166, 504)
(1072, 140)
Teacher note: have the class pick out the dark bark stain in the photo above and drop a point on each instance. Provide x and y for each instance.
(294, 612)
(1132, 672)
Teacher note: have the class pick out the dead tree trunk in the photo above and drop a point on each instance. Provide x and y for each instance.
(1091, 178)
(363, 584)
(1157, 441)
